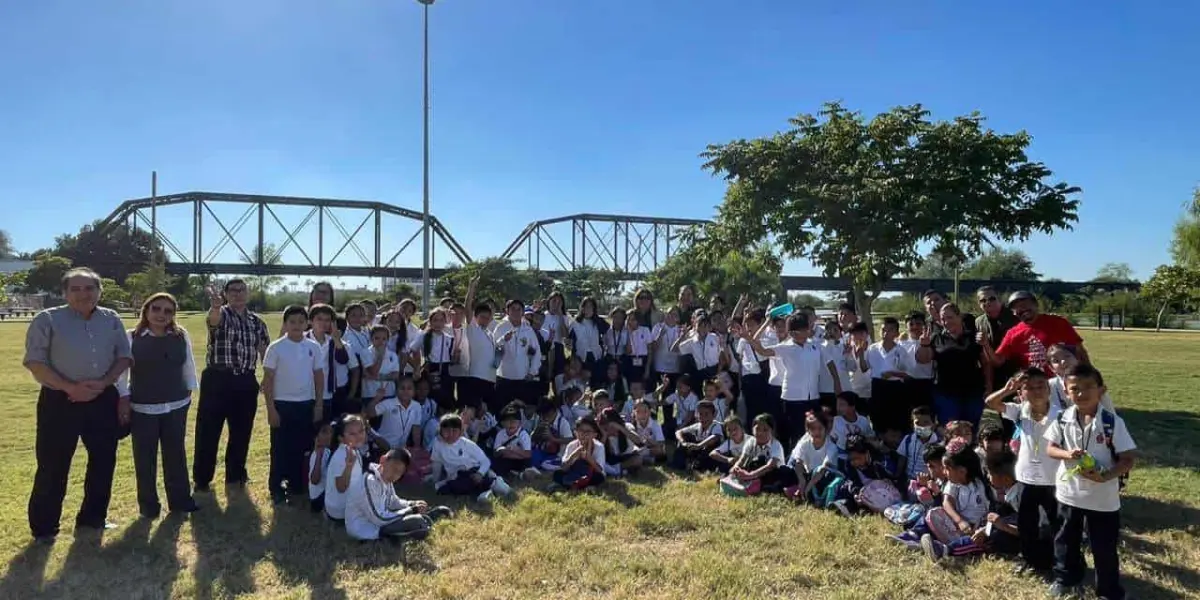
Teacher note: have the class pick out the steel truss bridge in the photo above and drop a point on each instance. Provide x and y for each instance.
(206, 233)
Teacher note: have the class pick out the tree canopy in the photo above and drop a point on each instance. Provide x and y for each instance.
(857, 197)
(1185, 243)
(1171, 285)
(116, 253)
(500, 281)
(1114, 273)
(7, 250)
(752, 270)
(47, 273)
(996, 263)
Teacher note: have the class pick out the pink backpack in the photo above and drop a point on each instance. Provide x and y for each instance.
(941, 526)
(879, 494)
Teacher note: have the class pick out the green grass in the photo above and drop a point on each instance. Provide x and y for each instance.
(660, 536)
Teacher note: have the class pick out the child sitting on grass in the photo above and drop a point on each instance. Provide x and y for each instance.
(622, 447)
(849, 423)
(966, 503)
(512, 448)
(373, 509)
(460, 467)
(814, 459)
(654, 447)
(318, 464)
(859, 470)
(730, 449)
(762, 459)
(694, 442)
(927, 487)
(583, 463)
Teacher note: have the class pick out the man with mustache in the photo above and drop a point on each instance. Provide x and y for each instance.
(1026, 343)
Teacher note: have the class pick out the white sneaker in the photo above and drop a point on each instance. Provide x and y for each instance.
(484, 497)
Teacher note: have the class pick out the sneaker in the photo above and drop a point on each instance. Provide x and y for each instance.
(1061, 590)
(484, 497)
(934, 549)
(439, 512)
(907, 538)
(202, 488)
(841, 507)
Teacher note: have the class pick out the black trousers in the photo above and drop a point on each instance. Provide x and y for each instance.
(289, 442)
(60, 425)
(794, 413)
(475, 390)
(508, 390)
(754, 390)
(889, 406)
(1034, 548)
(1104, 528)
(224, 397)
(149, 432)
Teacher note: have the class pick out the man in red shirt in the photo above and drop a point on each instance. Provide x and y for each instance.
(1026, 343)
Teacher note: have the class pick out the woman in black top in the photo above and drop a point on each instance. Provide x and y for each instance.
(963, 372)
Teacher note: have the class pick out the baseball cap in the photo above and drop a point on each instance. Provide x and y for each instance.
(1018, 296)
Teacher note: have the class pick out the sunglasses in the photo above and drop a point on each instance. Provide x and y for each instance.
(166, 310)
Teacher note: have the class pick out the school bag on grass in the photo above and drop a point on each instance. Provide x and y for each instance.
(879, 494)
(941, 526)
(905, 513)
(825, 491)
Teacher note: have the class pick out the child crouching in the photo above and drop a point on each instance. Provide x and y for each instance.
(694, 442)
(373, 509)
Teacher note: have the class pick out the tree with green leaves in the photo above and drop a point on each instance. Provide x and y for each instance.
(588, 281)
(752, 269)
(7, 250)
(500, 281)
(47, 273)
(1185, 243)
(271, 255)
(11, 281)
(1170, 286)
(859, 197)
(116, 253)
(806, 299)
(113, 296)
(1114, 273)
(151, 280)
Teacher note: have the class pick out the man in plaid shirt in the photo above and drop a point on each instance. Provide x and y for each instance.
(237, 339)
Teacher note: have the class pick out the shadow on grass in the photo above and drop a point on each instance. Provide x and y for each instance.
(228, 544)
(1164, 437)
(26, 571)
(1145, 553)
(1140, 514)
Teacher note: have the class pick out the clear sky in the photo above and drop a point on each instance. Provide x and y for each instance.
(544, 108)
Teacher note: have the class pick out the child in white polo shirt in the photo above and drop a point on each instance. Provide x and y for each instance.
(293, 377)
(1096, 450)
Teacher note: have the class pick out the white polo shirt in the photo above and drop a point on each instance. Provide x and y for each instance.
(294, 364)
(881, 361)
(665, 361)
(480, 352)
(1034, 465)
(706, 352)
(441, 348)
(397, 421)
(587, 338)
(802, 365)
(390, 364)
(835, 353)
(749, 358)
(335, 501)
(517, 362)
(771, 451)
(1070, 434)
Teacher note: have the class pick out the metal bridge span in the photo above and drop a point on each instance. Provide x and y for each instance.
(322, 237)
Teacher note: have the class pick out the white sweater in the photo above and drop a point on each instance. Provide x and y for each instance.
(372, 503)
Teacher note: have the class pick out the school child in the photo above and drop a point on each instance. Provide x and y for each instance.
(622, 446)
(400, 333)
(859, 469)
(401, 417)
(992, 441)
(432, 352)
(753, 366)
(293, 376)
(637, 393)
(479, 425)
(373, 509)
(1035, 470)
(730, 449)
(762, 459)
(912, 447)
(616, 339)
(587, 331)
(460, 467)
(919, 383)
(380, 365)
(684, 401)
(512, 447)
(555, 430)
(614, 386)
(888, 449)
(858, 336)
(635, 363)
(927, 487)
(840, 354)
(520, 358)
(571, 377)
(888, 362)
(576, 403)
(848, 423)
(557, 327)
(694, 442)
(965, 505)
(1091, 495)
(539, 385)
(716, 392)
(318, 465)
(1002, 529)
(814, 458)
(345, 465)
(1062, 360)
(358, 340)
(337, 357)
(583, 463)
(666, 364)
(702, 345)
(654, 443)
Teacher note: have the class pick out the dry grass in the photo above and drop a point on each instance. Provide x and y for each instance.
(658, 537)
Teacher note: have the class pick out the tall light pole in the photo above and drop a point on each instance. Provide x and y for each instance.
(425, 213)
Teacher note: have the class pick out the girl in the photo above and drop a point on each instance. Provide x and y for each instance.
(859, 470)
(614, 385)
(1062, 360)
(460, 467)
(402, 332)
(813, 457)
(683, 400)
(753, 367)
(654, 446)
(512, 448)
(727, 453)
(318, 464)
(635, 362)
(834, 350)
(616, 340)
(336, 356)
(600, 400)
(381, 367)
(571, 376)
(888, 364)
(1035, 470)
(155, 394)
(586, 332)
(345, 466)
(373, 509)
(358, 339)
(848, 423)
(479, 425)
(622, 446)
(927, 487)
(432, 352)
(553, 433)
(965, 503)
(583, 463)
(557, 327)
(762, 459)
(702, 345)
(401, 422)
(716, 391)
(666, 362)
(644, 311)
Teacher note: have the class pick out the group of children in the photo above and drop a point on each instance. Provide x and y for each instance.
(468, 405)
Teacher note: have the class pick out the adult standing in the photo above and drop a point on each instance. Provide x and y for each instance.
(964, 371)
(237, 340)
(76, 352)
(934, 300)
(644, 311)
(1026, 343)
(995, 321)
(322, 293)
(159, 389)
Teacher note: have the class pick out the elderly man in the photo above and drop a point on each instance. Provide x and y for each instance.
(76, 352)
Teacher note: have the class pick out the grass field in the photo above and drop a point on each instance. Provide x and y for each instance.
(659, 536)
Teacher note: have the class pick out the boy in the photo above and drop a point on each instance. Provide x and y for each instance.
(1001, 529)
(512, 448)
(991, 442)
(912, 448)
(694, 442)
(1088, 492)
(293, 376)
(373, 508)
(337, 359)
(848, 423)
(926, 487)
(637, 393)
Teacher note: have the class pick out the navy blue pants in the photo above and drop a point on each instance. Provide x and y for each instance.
(289, 441)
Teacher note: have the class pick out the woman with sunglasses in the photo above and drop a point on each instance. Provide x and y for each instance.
(155, 396)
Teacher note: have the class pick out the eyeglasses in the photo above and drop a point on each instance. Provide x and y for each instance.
(166, 310)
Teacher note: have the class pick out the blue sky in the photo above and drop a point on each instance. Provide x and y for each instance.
(545, 108)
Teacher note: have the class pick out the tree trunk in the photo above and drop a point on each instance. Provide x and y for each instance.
(1158, 321)
(862, 305)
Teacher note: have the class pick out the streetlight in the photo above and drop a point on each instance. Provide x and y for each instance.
(425, 213)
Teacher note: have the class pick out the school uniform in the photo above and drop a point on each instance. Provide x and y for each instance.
(480, 351)
(335, 500)
(159, 386)
(972, 502)
(1081, 500)
(889, 406)
(627, 408)
(580, 474)
(666, 362)
(698, 459)
(1036, 472)
(706, 353)
(397, 422)
(357, 341)
(1059, 397)
(504, 466)
(316, 491)
(586, 335)
(802, 365)
(373, 509)
(774, 370)
(651, 431)
(812, 459)
(841, 430)
(520, 358)
(918, 390)
(685, 407)
(755, 456)
(389, 365)
(618, 449)
(437, 362)
(730, 450)
(912, 448)
(336, 363)
(558, 329)
(635, 362)
(293, 364)
(754, 379)
(454, 464)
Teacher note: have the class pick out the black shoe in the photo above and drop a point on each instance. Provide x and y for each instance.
(202, 488)
(439, 512)
(186, 509)
(46, 539)
(150, 513)
(278, 498)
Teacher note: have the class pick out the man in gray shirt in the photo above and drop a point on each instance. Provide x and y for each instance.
(76, 352)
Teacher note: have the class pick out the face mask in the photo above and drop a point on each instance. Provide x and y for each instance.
(923, 432)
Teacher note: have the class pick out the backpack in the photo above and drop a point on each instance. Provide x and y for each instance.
(879, 494)
(1108, 423)
(906, 514)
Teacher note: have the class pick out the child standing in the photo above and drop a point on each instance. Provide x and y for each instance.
(888, 362)
(635, 363)
(373, 509)
(293, 378)
(1088, 494)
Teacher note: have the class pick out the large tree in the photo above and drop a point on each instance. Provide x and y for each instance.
(1009, 264)
(752, 269)
(500, 281)
(271, 255)
(6, 245)
(1171, 285)
(1185, 244)
(1114, 273)
(116, 253)
(588, 281)
(47, 273)
(858, 197)
(151, 280)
